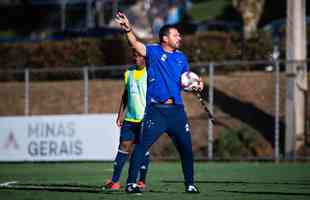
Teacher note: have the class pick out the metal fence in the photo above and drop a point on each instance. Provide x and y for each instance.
(229, 94)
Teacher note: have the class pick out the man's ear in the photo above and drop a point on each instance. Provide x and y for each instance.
(165, 38)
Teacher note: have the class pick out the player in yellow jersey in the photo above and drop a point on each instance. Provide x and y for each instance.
(129, 119)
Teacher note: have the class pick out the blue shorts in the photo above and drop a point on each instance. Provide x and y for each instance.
(130, 131)
(159, 119)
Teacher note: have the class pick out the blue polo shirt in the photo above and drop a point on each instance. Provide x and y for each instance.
(164, 71)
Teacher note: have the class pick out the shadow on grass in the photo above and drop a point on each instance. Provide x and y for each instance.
(266, 193)
(70, 188)
(58, 188)
(240, 182)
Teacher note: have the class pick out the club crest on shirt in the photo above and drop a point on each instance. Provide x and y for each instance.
(164, 57)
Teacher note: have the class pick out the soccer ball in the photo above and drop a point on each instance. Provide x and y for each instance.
(189, 80)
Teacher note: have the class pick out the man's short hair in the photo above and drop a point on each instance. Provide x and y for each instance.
(164, 31)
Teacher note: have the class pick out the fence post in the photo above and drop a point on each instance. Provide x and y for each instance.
(86, 89)
(210, 124)
(275, 56)
(27, 90)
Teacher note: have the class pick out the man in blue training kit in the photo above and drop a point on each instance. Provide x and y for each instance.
(130, 115)
(164, 106)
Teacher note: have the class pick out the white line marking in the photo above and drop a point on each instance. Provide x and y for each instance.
(5, 184)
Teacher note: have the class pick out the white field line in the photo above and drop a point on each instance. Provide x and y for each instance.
(6, 184)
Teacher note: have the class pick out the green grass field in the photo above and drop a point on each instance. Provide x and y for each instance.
(216, 181)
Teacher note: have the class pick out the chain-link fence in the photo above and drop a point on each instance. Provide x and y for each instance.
(248, 99)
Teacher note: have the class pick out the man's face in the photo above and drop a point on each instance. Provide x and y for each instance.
(174, 38)
(139, 60)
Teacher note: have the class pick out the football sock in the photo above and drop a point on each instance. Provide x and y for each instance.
(119, 163)
(144, 167)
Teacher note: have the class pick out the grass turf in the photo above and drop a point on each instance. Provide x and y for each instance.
(47, 181)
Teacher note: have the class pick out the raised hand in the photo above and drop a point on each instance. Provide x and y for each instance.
(123, 21)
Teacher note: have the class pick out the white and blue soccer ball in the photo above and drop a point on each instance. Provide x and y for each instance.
(189, 81)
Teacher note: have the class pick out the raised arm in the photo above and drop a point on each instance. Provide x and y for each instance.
(123, 21)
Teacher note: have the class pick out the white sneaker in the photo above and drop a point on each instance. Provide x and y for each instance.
(191, 189)
(133, 188)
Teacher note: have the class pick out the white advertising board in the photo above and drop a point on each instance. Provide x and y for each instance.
(59, 138)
